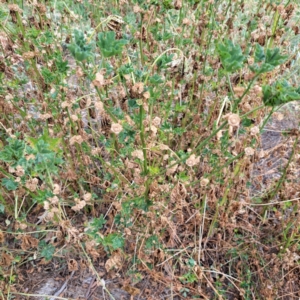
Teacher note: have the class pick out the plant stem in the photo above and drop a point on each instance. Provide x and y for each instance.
(239, 100)
(142, 135)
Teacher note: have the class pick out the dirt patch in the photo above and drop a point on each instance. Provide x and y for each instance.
(276, 145)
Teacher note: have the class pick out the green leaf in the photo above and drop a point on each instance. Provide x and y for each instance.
(154, 170)
(61, 65)
(152, 242)
(231, 56)
(259, 53)
(114, 241)
(46, 250)
(42, 195)
(97, 223)
(164, 61)
(3, 13)
(259, 69)
(79, 47)
(182, 176)
(179, 131)
(167, 35)
(9, 184)
(280, 92)
(132, 104)
(47, 155)
(191, 263)
(274, 58)
(247, 122)
(189, 277)
(7, 155)
(180, 107)
(155, 79)
(2, 208)
(53, 143)
(268, 61)
(48, 75)
(167, 4)
(13, 151)
(125, 69)
(32, 33)
(47, 37)
(108, 44)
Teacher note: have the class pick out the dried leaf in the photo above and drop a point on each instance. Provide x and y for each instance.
(29, 242)
(115, 261)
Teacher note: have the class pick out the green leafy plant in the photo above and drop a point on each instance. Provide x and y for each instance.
(152, 242)
(95, 225)
(280, 92)
(9, 184)
(164, 60)
(46, 250)
(231, 56)
(13, 151)
(80, 49)
(48, 75)
(112, 241)
(43, 159)
(108, 44)
(266, 62)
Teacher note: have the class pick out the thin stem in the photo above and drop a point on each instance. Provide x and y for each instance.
(142, 135)
(156, 60)
(274, 27)
(230, 85)
(239, 100)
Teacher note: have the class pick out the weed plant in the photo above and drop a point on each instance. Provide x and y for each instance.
(130, 132)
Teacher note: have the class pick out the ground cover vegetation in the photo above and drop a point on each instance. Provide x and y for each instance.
(153, 144)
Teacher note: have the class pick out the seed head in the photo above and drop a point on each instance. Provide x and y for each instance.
(28, 55)
(76, 139)
(138, 154)
(233, 120)
(204, 182)
(193, 160)
(116, 128)
(249, 151)
(14, 8)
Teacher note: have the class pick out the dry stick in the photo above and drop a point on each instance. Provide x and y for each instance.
(88, 294)
(30, 232)
(282, 296)
(201, 230)
(220, 273)
(63, 287)
(273, 203)
(172, 256)
(212, 286)
(40, 295)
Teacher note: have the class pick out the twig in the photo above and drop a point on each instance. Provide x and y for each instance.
(272, 203)
(172, 256)
(201, 230)
(63, 287)
(87, 294)
(41, 295)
